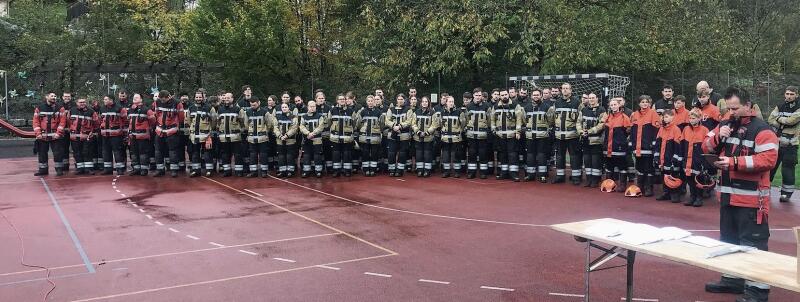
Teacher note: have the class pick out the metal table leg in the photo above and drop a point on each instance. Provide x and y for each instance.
(629, 283)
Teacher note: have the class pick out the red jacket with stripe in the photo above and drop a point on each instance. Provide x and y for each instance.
(49, 122)
(140, 121)
(668, 146)
(169, 117)
(617, 124)
(82, 123)
(643, 131)
(753, 151)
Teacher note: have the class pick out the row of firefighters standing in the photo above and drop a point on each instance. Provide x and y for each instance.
(668, 138)
(509, 131)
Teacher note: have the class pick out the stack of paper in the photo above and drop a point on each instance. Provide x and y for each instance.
(703, 241)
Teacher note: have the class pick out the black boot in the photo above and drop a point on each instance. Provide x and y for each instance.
(194, 173)
(622, 184)
(419, 172)
(143, 172)
(648, 186)
(107, 171)
(318, 175)
(471, 175)
(484, 174)
(726, 286)
(559, 179)
(348, 173)
(173, 173)
(665, 196)
(754, 294)
(79, 171)
(59, 172)
(134, 172)
(159, 173)
(515, 176)
(675, 197)
(445, 174)
(305, 174)
(693, 196)
(41, 172)
(698, 203)
(252, 174)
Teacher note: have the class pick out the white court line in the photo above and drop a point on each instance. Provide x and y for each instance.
(215, 244)
(174, 230)
(149, 217)
(159, 223)
(135, 205)
(434, 281)
(566, 295)
(400, 179)
(141, 210)
(498, 288)
(285, 260)
(378, 275)
(192, 237)
(254, 193)
(248, 252)
(117, 191)
(406, 211)
(114, 187)
(329, 267)
(123, 195)
(129, 200)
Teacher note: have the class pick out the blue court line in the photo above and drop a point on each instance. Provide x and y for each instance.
(72, 235)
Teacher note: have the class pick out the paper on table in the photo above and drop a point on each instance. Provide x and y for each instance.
(638, 234)
(605, 229)
(673, 233)
(703, 241)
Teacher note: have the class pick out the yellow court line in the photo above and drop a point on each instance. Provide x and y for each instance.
(226, 279)
(306, 218)
(174, 253)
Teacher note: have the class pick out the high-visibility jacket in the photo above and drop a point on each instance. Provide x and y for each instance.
(753, 151)
(370, 124)
(565, 112)
(589, 119)
(537, 123)
(82, 123)
(506, 120)
(450, 123)
(312, 123)
(341, 124)
(258, 124)
(169, 116)
(49, 121)
(643, 131)
(398, 116)
(140, 121)
(285, 124)
(113, 120)
(692, 149)
(785, 118)
(668, 147)
(478, 120)
(422, 119)
(617, 126)
(711, 115)
(201, 121)
(230, 123)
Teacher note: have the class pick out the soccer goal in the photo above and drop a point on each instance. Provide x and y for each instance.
(607, 85)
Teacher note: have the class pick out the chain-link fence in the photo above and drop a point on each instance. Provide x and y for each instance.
(25, 89)
(766, 90)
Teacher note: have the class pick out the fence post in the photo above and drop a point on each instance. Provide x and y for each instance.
(5, 100)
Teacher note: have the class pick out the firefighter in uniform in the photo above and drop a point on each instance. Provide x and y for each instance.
(323, 108)
(643, 136)
(98, 142)
(538, 146)
(49, 121)
(342, 128)
(169, 116)
(285, 128)
(477, 129)
(617, 126)
(668, 153)
(67, 104)
(140, 121)
(450, 122)
(748, 149)
(113, 118)
(370, 122)
(591, 130)
(423, 140)
(692, 156)
(230, 121)
(82, 124)
(200, 121)
(505, 124)
(312, 124)
(565, 112)
(399, 124)
(785, 119)
(259, 123)
(185, 148)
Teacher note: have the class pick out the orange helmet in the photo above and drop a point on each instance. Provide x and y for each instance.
(672, 182)
(608, 186)
(704, 181)
(633, 191)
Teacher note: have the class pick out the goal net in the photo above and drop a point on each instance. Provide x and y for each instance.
(605, 85)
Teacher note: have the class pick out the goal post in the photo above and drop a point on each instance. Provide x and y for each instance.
(604, 84)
